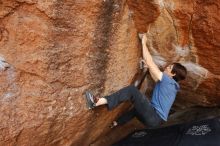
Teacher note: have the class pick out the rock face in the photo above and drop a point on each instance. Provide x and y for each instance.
(52, 51)
(187, 32)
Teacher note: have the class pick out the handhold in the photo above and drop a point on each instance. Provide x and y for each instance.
(140, 35)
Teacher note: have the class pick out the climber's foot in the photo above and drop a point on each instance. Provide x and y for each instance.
(113, 124)
(90, 100)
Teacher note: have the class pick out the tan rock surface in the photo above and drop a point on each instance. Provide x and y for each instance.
(58, 49)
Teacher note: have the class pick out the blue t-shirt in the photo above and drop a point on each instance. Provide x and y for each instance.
(164, 95)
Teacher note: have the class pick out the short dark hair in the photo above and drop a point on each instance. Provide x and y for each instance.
(180, 72)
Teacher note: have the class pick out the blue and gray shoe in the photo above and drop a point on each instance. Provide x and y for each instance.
(90, 100)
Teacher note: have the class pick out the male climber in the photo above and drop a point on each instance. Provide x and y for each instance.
(150, 113)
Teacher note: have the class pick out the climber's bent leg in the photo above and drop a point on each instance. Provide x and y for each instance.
(124, 94)
(142, 107)
(146, 113)
(125, 117)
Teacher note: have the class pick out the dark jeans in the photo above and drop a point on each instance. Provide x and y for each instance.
(142, 109)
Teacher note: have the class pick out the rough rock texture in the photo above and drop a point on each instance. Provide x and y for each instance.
(58, 49)
(188, 32)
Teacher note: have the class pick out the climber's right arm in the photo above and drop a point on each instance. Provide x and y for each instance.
(153, 68)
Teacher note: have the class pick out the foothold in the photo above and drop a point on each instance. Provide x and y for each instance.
(3, 64)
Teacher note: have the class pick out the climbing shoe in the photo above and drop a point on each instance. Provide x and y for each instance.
(90, 100)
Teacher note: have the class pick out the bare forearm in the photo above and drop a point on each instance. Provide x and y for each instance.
(146, 54)
(154, 70)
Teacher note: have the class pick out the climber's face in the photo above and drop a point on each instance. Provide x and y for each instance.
(168, 70)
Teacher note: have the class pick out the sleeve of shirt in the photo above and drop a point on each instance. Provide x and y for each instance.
(165, 78)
